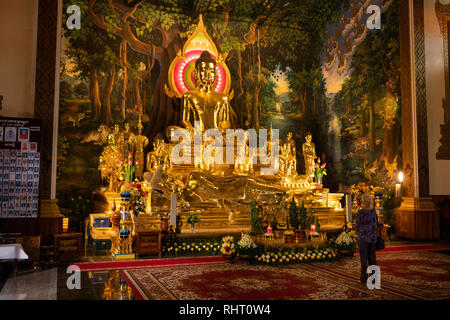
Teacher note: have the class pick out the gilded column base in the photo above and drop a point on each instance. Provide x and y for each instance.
(417, 218)
(49, 209)
(51, 221)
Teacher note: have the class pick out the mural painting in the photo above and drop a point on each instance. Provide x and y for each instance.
(310, 66)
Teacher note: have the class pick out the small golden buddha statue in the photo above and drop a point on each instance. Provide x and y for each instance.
(288, 158)
(140, 142)
(243, 163)
(129, 139)
(203, 104)
(157, 156)
(309, 153)
(117, 143)
(111, 157)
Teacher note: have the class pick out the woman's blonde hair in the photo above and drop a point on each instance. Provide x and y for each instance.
(366, 200)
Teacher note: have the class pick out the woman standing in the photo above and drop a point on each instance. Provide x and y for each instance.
(366, 231)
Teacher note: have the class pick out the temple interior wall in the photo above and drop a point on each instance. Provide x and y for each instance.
(18, 33)
(435, 91)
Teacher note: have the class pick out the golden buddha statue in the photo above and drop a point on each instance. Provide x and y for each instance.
(111, 157)
(153, 158)
(288, 158)
(117, 143)
(140, 142)
(129, 140)
(243, 163)
(309, 153)
(210, 108)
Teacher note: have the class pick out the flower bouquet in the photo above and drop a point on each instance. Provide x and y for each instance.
(129, 170)
(245, 247)
(228, 249)
(345, 243)
(192, 219)
(357, 191)
(319, 172)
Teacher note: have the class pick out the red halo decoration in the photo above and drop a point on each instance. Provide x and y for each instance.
(181, 70)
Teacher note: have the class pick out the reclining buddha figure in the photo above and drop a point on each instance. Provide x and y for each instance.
(203, 104)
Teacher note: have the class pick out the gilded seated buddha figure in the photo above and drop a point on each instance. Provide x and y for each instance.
(203, 104)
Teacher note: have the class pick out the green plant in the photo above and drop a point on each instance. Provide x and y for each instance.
(303, 217)
(255, 220)
(274, 223)
(193, 218)
(294, 215)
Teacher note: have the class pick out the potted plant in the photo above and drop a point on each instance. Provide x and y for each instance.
(192, 219)
(255, 220)
(228, 249)
(319, 172)
(294, 215)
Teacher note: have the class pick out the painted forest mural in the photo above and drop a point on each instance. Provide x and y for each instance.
(302, 66)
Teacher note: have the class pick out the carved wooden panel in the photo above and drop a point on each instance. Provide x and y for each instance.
(443, 16)
(407, 123)
(421, 99)
(45, 85)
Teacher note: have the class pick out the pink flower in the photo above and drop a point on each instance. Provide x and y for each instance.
(323, 166)
(120, 162)
(130, 155)
(138, 162)
(318, 160)
(316, 166)
(130, 162)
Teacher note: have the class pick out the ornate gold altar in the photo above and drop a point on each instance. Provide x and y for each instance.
(219, 192)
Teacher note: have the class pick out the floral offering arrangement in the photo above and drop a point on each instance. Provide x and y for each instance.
(189, 248)
(358, 190)
(246, 242)
(129, 168)
(137, 201)
(246, 245)
(228, 247)
(289, 233)
(273, 257)
(346, 241)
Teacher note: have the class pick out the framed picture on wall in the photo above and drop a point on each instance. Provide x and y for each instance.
(10, 134)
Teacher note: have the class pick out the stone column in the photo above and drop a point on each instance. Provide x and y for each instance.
(417, 217)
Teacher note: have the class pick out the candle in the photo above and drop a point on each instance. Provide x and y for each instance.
(397, 190)
(313, 228)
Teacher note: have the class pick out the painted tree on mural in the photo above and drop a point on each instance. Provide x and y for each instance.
(369, 101)
(251, 35)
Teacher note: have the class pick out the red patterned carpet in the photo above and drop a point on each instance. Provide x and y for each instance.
(411, 274)
(415, 274)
